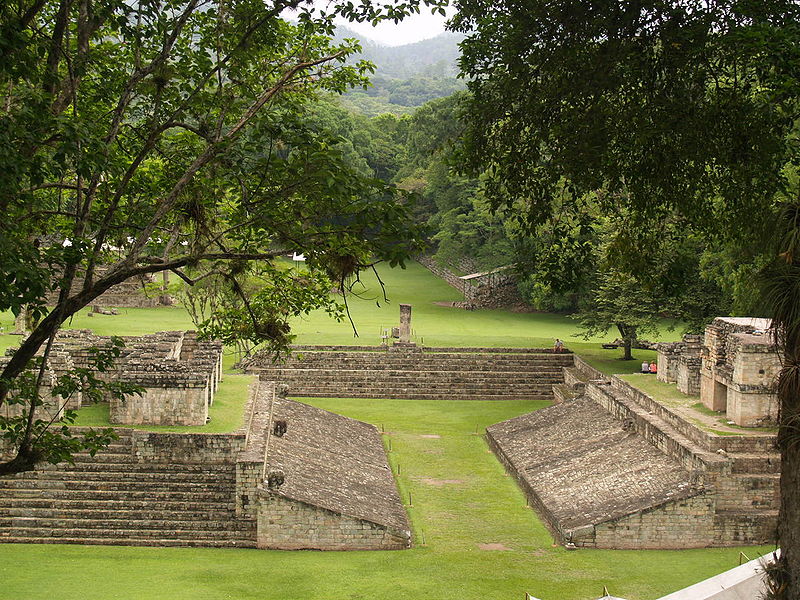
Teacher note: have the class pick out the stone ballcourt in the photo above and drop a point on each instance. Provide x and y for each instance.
(607, 466)
(294, 477)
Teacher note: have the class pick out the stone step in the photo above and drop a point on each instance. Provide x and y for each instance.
(372, 378)
(430, 349)
(8, 504)
(109, 467)
(421, 356)
(449, 353)
(401, 395)
(150, 477)
(540, 388)
(131, 533)
(146, 527)
(442, 377)
(211, 542)
(100, 457)
(746, 526)
(406, 367)
(8, 486)
(152, 495)
(334, 379)
(122, 513)
(755, 463)
(744, 491)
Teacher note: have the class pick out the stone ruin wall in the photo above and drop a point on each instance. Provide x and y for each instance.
(740, 366)
(687, 523)
(179, 376)
(679, 362)
(499, 293)
(286, 524)
(59, 362)
(733, 368)
(131, 293)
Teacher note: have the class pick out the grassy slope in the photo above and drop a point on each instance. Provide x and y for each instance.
(484, 507)
(440, 325)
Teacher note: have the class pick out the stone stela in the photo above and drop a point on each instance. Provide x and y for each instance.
(405, 326)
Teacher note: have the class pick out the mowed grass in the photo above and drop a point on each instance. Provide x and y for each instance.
(227, 411)
(435, 325)
(461, 498)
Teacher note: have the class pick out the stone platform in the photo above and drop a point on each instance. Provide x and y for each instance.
(610, 467)
(422, 373)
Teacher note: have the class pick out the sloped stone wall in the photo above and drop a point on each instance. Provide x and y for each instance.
(285, 524)
(495, 291)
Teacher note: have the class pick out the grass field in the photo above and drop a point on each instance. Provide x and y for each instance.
(460, 495)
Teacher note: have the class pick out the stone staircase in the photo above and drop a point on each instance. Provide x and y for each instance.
(573, 386)
(113, 499)
(742, 470)
(416, 373)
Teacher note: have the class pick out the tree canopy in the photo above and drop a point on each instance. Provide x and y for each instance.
(153, 136)
(670, 112)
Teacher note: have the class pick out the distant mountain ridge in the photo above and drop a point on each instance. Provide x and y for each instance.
(435, 57)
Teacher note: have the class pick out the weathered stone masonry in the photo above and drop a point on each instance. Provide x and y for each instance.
(616, 469)
(428, 373)
(323, 481)
(178, 373)
(335, 490)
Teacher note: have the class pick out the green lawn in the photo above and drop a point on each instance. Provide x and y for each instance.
(461, 498)
(435, 325)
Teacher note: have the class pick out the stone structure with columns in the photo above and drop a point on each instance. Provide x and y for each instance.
(739, 370)
(734, 369)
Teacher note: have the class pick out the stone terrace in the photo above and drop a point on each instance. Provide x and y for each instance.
(417, 373)
(146, 489)
(582, 467)
(338, 491)
(179, 374)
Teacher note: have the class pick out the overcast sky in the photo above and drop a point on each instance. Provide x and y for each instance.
(411, 29)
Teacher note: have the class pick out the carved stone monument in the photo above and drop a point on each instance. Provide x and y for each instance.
(405, 326)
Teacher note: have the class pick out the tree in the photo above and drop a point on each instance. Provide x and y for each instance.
(667, 108)
(154, 136)
(619, 300)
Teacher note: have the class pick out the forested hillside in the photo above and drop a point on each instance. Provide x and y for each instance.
(568, 266)
(406, 76)
(406, 129)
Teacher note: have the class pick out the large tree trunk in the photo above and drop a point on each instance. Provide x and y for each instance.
(789, 524)
(787, 572)
(628, 335)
